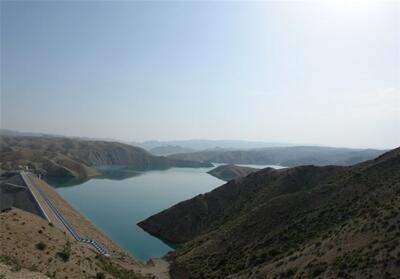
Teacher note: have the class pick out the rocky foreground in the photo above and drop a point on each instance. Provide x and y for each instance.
(33, 248)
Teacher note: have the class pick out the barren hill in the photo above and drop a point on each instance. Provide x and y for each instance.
(302, 222)
(72, 157)
(284, 156)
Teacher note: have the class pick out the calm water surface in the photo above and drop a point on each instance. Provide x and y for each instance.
(116, 203)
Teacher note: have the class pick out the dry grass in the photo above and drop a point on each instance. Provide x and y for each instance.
(21, 232)
(6, 272)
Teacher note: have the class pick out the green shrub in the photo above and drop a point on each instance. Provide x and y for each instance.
(64, 255)
(40, 246)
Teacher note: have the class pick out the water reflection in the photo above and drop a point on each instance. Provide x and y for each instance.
(107, 172)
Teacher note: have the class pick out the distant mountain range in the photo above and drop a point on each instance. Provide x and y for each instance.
(79, 158)
(284, 156)
(13, 133)
(202, 144)
(181, 146)
(235, 151)
(302, 222)
(169, 149)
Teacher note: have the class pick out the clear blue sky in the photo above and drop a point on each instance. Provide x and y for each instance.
(324, 73)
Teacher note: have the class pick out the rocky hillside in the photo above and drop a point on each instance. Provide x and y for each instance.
(284, 156)
(229, 172)
(33, 248)
(302, 222)
(78, 158)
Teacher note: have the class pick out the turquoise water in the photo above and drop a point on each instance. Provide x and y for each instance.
(120, 199)
(116, 205)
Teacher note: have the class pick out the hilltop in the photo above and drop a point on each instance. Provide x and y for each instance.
(301, 222)
(57, 156)
(229, 172)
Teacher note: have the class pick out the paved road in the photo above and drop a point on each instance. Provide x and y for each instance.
(53, 215)
(44, 207)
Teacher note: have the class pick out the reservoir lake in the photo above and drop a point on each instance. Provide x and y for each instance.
(120, 199)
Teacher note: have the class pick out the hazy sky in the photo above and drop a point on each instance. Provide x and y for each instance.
(325, 73)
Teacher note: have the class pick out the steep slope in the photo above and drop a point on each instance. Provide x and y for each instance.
(229, 172)
(72, 157)
(301, 222)
(28, 242)
(284, 156)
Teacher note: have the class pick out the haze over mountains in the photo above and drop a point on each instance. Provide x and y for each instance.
(169, 149)
(283, 156)
(165, 147)
(302, 222)
(80, 156)
(204, 144)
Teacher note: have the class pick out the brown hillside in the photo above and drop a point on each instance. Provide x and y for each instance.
(303, 222)
(29, 243)
(79, 158)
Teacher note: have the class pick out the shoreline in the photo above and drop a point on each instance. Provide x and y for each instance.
(157, 267)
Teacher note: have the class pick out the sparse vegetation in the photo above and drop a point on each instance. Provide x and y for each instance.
(304, 222)
(40, 246)
(74, 157)
(54, 256)
(64, 255)
(116, 270)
